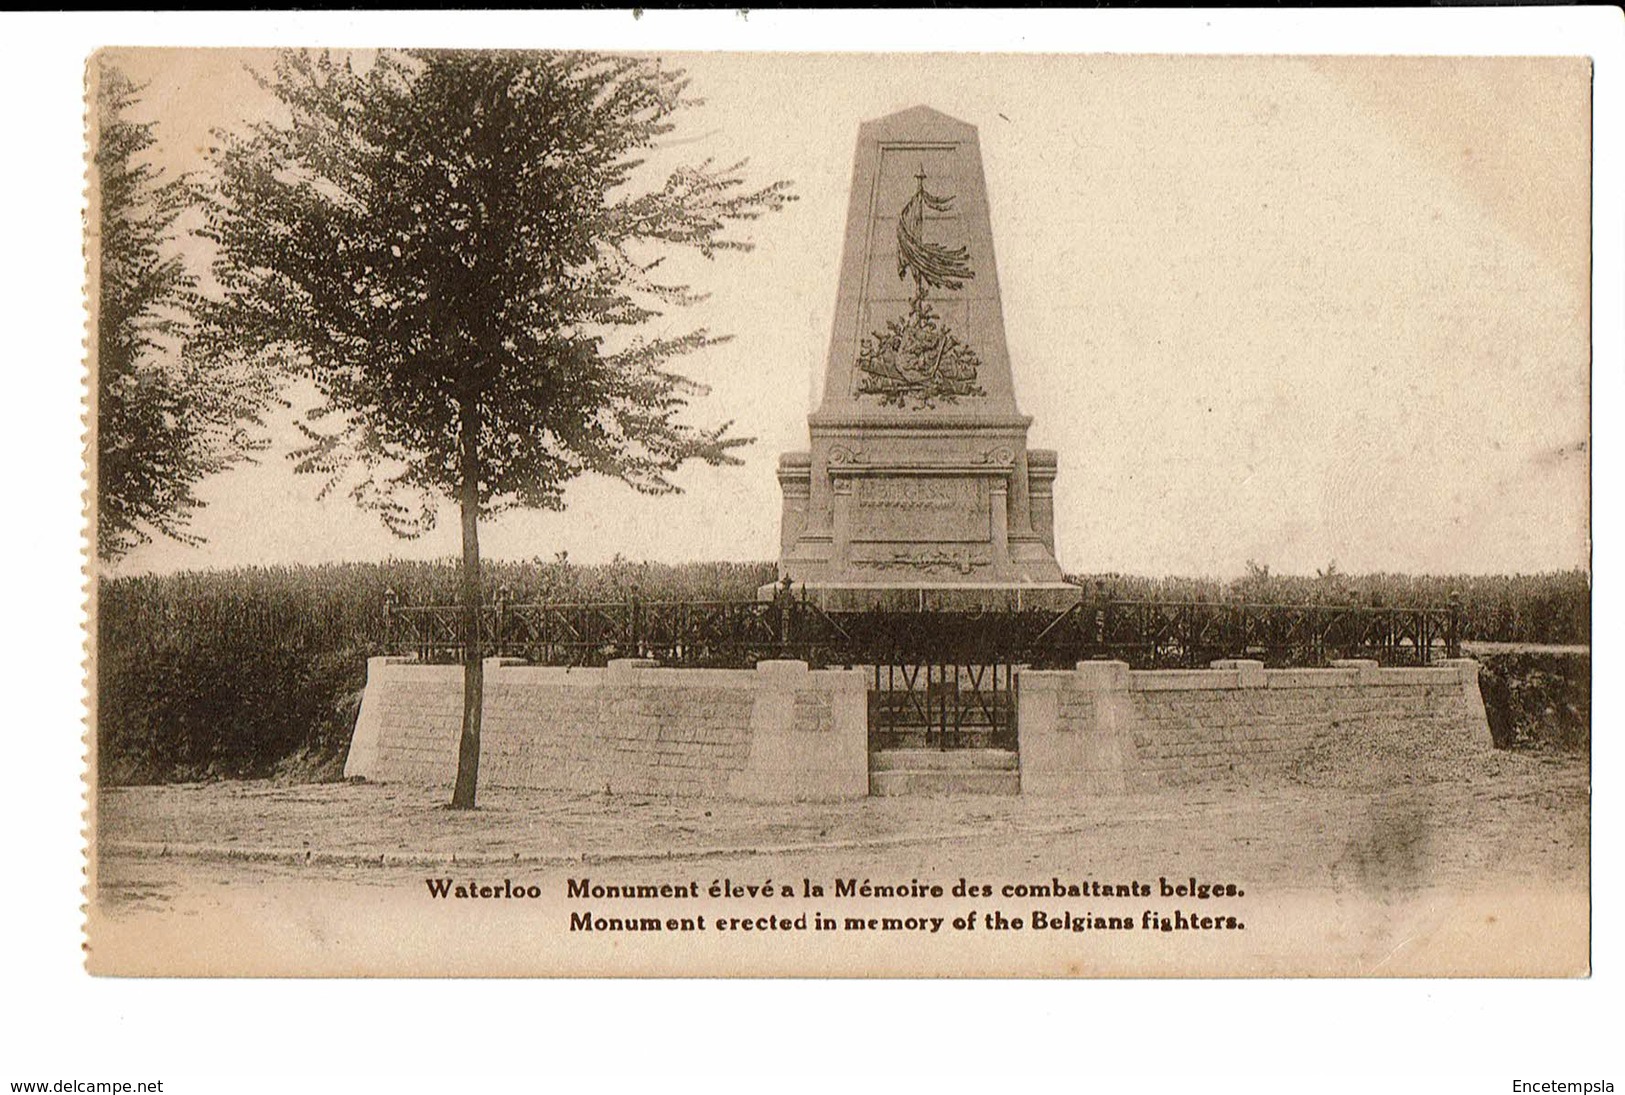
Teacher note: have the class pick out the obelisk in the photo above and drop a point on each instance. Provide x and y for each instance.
(918, 489)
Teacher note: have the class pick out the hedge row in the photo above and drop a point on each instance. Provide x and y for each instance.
(1550, 608)
(230, 674)
(1538, 700)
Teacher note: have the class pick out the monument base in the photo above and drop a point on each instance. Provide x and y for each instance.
(922, 596)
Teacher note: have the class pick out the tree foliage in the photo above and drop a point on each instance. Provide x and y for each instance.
(440, 238)
(460, 251)
(164, 419)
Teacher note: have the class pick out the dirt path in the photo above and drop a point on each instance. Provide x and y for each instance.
(1336, 877)
(1513, 813)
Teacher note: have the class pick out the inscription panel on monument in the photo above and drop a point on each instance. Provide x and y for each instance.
(903, 509)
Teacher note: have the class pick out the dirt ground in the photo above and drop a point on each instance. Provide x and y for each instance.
(1483, 868)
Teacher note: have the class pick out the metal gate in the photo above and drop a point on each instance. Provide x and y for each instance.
(942, 705)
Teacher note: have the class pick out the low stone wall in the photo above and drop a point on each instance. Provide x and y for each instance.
(783, 733)
(777, 733)
(1103, 729)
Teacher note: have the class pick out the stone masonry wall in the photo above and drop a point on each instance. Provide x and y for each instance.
(778, 732)
(661, 732)
(783, 733)
(1104, 729)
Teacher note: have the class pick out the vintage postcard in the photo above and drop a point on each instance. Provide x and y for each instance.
(862, 515)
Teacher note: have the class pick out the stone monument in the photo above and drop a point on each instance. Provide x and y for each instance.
(918, 489)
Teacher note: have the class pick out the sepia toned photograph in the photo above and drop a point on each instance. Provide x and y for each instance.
(724, 514)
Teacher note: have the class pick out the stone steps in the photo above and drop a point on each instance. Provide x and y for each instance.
(895, 741)
(891, 760)
(943, 772)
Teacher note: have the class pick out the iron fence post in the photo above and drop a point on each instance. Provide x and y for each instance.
(390, 598)
(1452, 642)
(784, 606)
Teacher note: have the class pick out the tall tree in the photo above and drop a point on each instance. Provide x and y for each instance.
(164, 419)
(459, 250)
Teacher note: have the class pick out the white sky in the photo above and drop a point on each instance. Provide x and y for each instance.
(1289, 310)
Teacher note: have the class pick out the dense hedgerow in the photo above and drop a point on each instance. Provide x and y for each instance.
(1538, 700)
(230, 674)
(1552, 607)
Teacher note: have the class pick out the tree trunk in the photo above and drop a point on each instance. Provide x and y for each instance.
(468, 748)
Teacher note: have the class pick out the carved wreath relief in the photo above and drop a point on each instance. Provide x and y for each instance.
(916, 359)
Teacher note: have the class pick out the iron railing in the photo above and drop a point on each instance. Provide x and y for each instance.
(1174, 634)
(720, 634)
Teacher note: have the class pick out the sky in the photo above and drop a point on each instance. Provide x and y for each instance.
(1283, 310)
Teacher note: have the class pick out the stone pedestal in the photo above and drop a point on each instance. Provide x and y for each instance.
(918, 484)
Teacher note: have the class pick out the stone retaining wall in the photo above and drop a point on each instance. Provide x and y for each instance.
(783, 733)
(1103, 729)
(778, 732)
